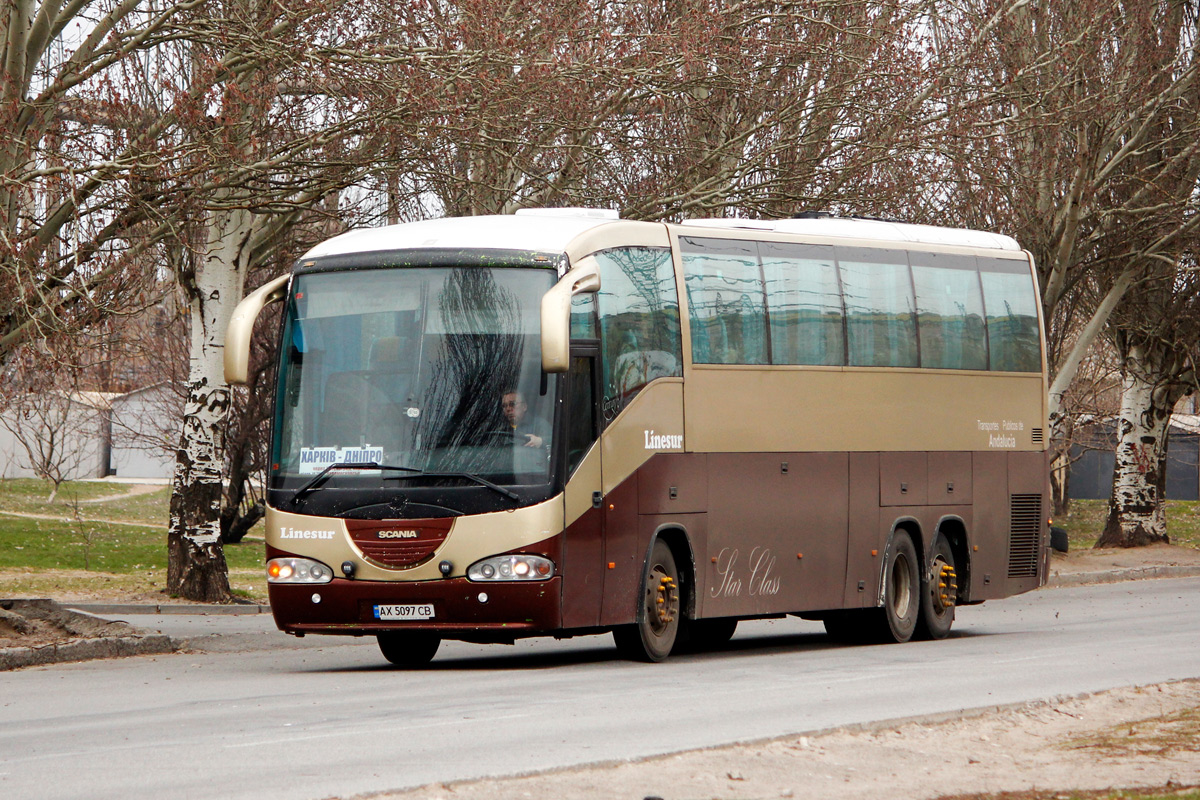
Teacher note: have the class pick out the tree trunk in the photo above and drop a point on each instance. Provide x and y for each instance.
(1136, 515)
(196, 567)
(1060, 490)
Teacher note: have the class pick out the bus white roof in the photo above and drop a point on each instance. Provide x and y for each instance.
(552, 230)
(532, 232)
(880, 230)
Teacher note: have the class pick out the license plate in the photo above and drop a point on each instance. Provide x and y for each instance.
(412, 611)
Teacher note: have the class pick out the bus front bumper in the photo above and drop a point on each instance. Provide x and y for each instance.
(461, 609)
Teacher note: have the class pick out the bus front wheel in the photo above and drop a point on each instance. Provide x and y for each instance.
(653, 635)
(408, 648)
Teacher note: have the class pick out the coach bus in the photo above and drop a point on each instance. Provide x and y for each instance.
(560, 423)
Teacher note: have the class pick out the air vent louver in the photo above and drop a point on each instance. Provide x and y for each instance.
(1024, 535)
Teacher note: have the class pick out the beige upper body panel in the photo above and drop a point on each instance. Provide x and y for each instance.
(735, 409)
(651, 423)
(471, 538)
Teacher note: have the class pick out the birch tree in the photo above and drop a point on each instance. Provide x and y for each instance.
(1050, 108)
(1157, 338)
(275, 126)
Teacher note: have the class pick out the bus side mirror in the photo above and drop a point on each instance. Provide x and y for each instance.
(556, 312)
(241, 325)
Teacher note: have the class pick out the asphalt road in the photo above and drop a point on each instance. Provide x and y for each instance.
(328, 717)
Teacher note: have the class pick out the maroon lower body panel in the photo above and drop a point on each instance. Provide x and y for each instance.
(347, 607)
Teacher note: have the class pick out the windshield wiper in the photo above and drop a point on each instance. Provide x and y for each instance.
(309, 487)
(471, 476)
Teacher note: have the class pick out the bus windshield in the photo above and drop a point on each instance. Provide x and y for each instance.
(435, 371)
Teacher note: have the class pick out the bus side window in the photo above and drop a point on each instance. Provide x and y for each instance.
(583, 317)
(880, 320)
(949, 311)
(639, 322)
(582, 424)
(804, 302)
(1012, 322)
(726, 301)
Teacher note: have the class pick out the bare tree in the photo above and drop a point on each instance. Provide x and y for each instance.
(661, 110)
(59, 428)
(1050, 109)
(75, 224)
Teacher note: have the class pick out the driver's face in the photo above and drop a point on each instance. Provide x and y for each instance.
(513, 406)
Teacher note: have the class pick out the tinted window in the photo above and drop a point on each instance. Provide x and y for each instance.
(1011, 301)
(725, 301)
(804, 304)
(878, 293)
(639, 322)
(583, 317)
(949, 311)
(581, 411)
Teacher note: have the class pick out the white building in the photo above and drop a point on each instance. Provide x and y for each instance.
(92, 434)
(145, 432)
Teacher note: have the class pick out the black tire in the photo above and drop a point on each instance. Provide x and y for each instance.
(408, 649)
(939, 591)
(653, 636)
(1058, 539)
(698, 635)
(897, 620)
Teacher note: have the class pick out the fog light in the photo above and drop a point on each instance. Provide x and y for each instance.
(483, 598)
(316, 597)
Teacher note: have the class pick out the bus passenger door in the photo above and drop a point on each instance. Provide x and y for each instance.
(583, 545)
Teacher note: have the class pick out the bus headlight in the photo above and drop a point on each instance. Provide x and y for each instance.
(511, 568)
(297, 570)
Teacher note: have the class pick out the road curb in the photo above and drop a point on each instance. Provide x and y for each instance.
(1121, 575)
(86, 650)
(169, 608)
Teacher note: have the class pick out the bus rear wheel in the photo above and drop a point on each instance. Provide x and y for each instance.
(653, 635)
(408, 649)
(938, 593)
(897, 620)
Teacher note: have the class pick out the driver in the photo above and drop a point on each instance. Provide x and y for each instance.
(532, 430)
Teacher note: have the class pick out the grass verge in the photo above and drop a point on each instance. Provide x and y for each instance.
(1085, 522)
(83, 552)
